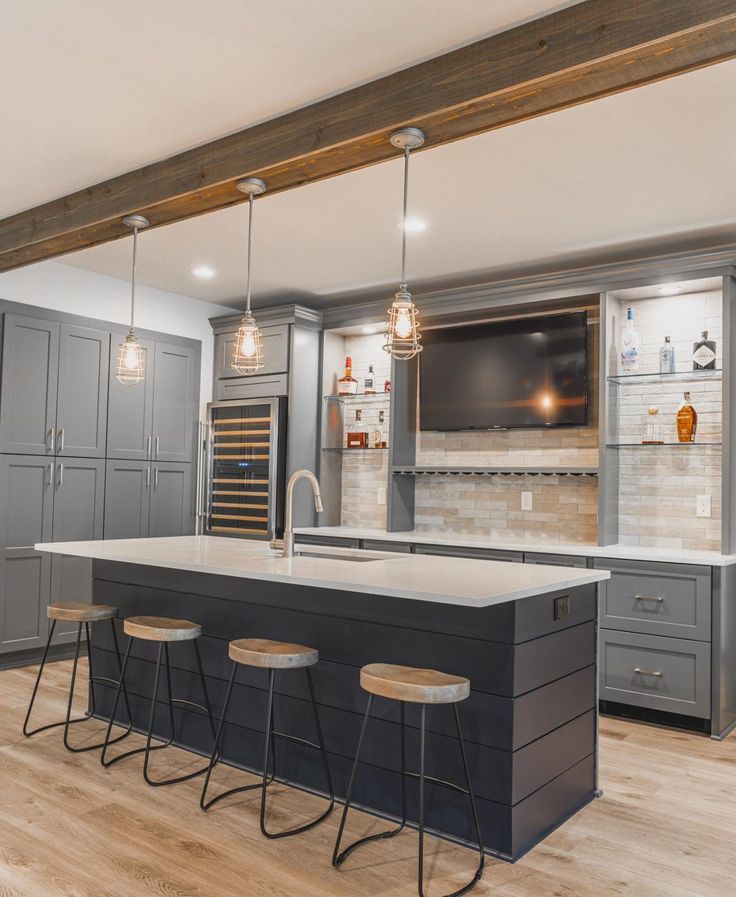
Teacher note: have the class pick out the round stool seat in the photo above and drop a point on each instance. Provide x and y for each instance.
(80, 612)
(262, 652)
(161, 629)
(414, 685)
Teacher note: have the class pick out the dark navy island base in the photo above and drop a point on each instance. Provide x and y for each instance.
(530, 722)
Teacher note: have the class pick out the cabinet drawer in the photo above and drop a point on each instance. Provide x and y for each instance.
(379, 545)
(661, 599)
(486, 554)
(555, 560)
(251, 387)
(336, 541)
(659, 673)
(275, 352)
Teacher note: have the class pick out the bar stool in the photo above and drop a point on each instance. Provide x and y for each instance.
(165, 631)
(270, 655)
(423, 687)
(84, 615)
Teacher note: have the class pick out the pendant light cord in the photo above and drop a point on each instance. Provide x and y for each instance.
(250, 244)
(403, 220)
(132, 279)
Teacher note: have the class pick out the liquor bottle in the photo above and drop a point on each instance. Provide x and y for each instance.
(630, 345)
(667, 357)
(357, 435)
(704, 354)
(377, 438)
(368, 388)
(387, 386)
(347, 385)
(652, 430)
(687, 420)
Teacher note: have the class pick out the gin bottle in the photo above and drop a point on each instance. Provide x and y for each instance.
(667, 358)
(630, 345)
(704, 354)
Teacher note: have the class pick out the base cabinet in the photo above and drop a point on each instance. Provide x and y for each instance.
(145, 499)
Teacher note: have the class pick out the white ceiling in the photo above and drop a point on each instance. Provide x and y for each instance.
(654, 163)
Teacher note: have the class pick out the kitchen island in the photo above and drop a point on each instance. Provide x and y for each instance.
(524, 636)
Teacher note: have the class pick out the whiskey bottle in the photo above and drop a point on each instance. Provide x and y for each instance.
(357, 436)
(368, 384)
(704, 354)
(687, 420)
(667, 358)
(652, 430)
(347, 385)
(630, 345)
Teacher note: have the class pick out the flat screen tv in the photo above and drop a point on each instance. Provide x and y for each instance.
(523, 373)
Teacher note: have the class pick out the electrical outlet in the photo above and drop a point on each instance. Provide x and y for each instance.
(562, 607)
(702, 506)
(527, 502)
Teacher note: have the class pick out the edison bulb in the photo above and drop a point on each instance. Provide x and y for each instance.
(403, 325)
(130, 361)
(547, 400)
(247, 345)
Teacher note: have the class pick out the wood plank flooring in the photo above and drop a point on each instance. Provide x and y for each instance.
(666, 826)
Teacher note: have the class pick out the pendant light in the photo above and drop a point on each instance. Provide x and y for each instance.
(402, 339)
(131, 368)
(248, 356)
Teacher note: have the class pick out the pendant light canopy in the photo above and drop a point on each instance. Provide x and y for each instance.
(402, 339)
(131, 367)
(248, 356)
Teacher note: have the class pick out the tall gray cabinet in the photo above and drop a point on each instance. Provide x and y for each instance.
(82, 457)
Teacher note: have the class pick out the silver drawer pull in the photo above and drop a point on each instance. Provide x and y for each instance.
(657, 673)
(658, 598)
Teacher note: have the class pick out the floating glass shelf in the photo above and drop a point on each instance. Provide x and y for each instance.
(355, 451)
(361, 397)
(663, 445)
(675, 377)
(433, 470)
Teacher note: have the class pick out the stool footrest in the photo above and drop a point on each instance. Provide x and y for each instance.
(434, 781)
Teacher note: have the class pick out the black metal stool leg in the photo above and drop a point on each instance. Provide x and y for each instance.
(26, 732)
(337, 857)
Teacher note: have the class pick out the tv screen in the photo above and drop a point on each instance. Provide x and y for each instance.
(526, 373)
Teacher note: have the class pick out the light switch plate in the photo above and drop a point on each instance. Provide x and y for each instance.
(703, 506)
(527, 502)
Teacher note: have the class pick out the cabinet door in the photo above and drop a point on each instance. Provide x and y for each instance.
(29, 380)
(275, 351)
(174, 403)
(171, 500)
(26, 501)
(130, 410)
(81, 409)
(127, 490)
(79, 503)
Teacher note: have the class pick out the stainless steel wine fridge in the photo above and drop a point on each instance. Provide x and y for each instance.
(243, 463)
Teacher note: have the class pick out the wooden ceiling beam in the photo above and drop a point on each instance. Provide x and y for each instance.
(586, 51)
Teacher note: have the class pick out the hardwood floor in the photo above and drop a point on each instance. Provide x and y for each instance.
(665, 826)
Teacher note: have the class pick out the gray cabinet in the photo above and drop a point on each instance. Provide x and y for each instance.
(487, 554)
(144, 499)
(26, 503)
(174, 403)
(78, 509)
(275, 352)
(251, 387)
(555, 560)
(29, 384)
(130, 411)
(81, 409)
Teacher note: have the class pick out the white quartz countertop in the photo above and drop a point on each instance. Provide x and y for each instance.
(460, 581)
(578, 549)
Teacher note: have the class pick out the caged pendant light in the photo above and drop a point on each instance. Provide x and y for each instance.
(248, 355)
(402, 339)
(131, 367)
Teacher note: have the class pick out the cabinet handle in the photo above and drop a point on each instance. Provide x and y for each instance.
(60, 480)
(148, 446)
(657, 673)
(657, 598)
(61, 439)
(155, 479)
(155, 451)
(148, 478)
(50, 439)
(49, 475)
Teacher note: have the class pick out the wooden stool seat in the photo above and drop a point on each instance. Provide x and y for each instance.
(80, 612)
(414, 685)
(263, 652)
(161, 629)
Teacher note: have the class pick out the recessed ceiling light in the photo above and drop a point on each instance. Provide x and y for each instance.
(369, 330)
(669, 290)
(413, 225)
(204, 272)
